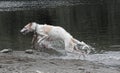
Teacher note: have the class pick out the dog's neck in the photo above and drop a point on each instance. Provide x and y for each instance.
(36, 26)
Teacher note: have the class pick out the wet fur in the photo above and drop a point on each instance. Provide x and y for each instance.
(55, 33)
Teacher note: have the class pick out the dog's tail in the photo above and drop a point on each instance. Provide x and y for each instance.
(82, 46)
(80, 43)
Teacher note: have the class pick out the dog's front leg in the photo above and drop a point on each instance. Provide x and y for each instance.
(34, 40)
(42, 38)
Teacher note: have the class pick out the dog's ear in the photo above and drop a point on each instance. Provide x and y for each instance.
(30, 24)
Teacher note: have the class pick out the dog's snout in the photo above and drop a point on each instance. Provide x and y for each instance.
(22, 30)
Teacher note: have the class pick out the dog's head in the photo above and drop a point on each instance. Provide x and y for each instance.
(28, 28)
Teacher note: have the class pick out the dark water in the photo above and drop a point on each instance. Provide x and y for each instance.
(86, 21)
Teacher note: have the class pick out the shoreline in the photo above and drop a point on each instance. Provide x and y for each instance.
(20, 62)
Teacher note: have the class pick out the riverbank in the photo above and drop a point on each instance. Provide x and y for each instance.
(38, 62)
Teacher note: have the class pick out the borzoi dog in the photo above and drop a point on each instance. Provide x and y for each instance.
(56, 33)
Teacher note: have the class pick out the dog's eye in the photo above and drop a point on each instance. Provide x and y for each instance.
(26, 28)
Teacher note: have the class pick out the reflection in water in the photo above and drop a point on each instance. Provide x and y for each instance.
(85, 21)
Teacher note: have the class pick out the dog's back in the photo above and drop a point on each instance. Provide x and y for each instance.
(57, 32)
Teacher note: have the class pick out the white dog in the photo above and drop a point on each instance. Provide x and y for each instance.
(55, 33)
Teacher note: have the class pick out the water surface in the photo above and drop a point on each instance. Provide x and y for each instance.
(86, 20)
